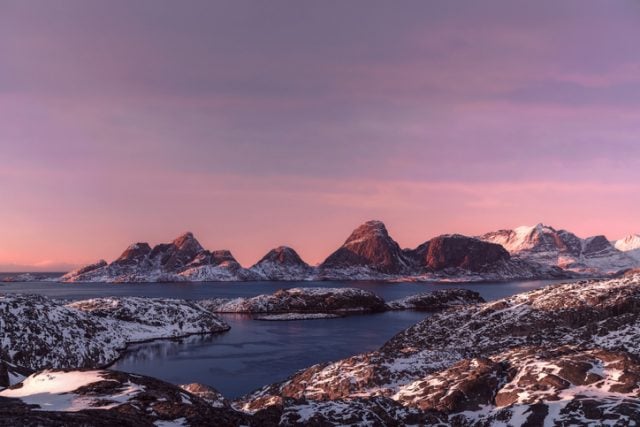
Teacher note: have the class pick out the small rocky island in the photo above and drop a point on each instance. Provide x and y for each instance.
(315, 303)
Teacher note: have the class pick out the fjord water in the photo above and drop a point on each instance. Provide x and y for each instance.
(255, 353)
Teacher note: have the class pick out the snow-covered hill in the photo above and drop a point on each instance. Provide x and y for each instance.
(37, 332)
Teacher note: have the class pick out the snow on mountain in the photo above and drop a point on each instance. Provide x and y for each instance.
(370, 253)
(630, 245)
(548, 246)
(282, 263)
(184, 259)
(560, 355)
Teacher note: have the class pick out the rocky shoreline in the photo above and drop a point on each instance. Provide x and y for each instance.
(561, 355)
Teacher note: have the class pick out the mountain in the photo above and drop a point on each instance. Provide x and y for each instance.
(630, 245)
(457, 251)
(184, 259)
(282, 263)
(368, 252)
(548, 246)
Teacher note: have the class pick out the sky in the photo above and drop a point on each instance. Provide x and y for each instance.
(255, 124)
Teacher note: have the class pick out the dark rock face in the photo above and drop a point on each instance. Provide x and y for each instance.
(369, 246)
(456, 251)
(597, 245)
(134, 256)
(176, 255)
(11, 374)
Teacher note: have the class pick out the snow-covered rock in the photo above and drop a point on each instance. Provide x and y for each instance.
(37, 332)
(301, 300)
(437, 300)
(564, 354)
(559, 248)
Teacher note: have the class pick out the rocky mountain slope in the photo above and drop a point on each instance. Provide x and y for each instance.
(368, 251)
(282, 263)
(559, 248)
(561, 355)
(184, 259)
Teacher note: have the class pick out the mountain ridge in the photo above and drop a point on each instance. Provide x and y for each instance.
(370, 253)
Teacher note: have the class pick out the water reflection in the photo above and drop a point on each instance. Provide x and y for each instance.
(256, 353)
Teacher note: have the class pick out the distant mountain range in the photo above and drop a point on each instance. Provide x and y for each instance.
(370, 253)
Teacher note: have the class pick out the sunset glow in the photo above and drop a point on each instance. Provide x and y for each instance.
(258, 124)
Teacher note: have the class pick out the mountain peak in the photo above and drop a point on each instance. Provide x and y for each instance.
(369, 245)
(187, 241)
(369, 230)
(629, 243)
(283, 255)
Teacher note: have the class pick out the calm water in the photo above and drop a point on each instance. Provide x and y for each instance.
(254, 353)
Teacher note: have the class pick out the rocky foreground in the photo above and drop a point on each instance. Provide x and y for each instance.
(562, 355)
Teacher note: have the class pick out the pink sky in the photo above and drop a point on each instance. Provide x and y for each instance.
(255, 124)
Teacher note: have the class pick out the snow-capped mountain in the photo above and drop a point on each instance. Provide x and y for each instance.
(370, 253)
(282, 263)
(630, 245)
(184, 259)
(546, 245)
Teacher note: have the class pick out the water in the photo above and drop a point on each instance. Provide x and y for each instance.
(255, 353)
